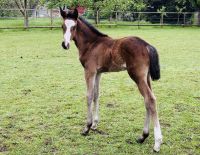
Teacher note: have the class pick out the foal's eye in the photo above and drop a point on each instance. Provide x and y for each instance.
(72, 28)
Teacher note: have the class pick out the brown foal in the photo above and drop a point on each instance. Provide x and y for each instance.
(100, 53)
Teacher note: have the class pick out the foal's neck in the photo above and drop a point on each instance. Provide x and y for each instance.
(84, 37)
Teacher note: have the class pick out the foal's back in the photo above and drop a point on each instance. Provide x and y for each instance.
(117, 54)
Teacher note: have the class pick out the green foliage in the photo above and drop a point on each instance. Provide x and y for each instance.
(113, 5)
(68, 3)
(162, 10)
(195, 3)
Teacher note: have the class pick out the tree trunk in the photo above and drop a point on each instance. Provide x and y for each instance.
(96, 15)
(51, 16)
(198, 17)
(96, 12)
(26, 22)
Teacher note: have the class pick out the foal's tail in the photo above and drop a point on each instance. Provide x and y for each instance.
(154, 63)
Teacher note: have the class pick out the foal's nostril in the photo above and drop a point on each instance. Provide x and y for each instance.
(64, 46)
(67, 46)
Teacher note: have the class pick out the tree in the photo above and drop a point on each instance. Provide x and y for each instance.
(162, 13)
(196, 5)
(179, 10)
(191, 5)
(22, 5)
(67, 3)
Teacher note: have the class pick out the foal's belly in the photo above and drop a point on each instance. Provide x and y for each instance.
(112, 68)
(117, 68)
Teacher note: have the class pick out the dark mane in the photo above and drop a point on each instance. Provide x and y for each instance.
(92, 27)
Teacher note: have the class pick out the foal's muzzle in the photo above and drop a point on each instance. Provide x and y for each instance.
(64, 46)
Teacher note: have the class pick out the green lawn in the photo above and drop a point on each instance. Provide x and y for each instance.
(19, 22)
(42, 96)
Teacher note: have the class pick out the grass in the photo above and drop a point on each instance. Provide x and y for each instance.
(42, 96)
(19, 22)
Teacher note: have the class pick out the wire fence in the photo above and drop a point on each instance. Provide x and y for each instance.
(50, 18)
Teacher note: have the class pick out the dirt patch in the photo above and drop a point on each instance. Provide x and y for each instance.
(26, 91)
(9, 126)
(54, 150)
(11, 117)
(100, 132)
(3, 148)
(20, 130)
(165, 124)
(197, 98)
(5, 136)
(197, 146)
(111, 105)
(48, 141)
(28, 137)
(129, 141)
(70, 117)
(180, 107)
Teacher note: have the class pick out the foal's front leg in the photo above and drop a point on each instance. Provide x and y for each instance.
(90, 80)
(96, 102)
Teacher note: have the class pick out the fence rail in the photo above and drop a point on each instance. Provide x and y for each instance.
(50, 18)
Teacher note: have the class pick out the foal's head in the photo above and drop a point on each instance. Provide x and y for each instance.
(69, 25)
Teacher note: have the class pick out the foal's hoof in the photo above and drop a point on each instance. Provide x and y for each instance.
(156, 149)
(140, 140)
(84, 133)
(157, 145)
(94, 128)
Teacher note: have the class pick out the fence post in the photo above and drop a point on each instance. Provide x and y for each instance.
(139, 20)
(51, 16)
(184, 14)
(97, 17)
(36, 13)
(116, 17)
(161, 20)
(178, 18)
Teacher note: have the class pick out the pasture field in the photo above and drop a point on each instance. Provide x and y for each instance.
(19, 22)
(43, 106)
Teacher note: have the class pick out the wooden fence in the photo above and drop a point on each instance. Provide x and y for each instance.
(37, 18)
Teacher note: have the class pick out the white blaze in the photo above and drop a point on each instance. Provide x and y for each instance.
(68, 23)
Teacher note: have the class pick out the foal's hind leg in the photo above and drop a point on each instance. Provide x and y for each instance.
(96, 102)
(150, 104)
(145, 133)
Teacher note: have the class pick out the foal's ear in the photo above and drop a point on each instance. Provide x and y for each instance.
(63, 13)
(75, 14)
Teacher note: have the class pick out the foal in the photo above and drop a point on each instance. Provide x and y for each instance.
(100, 53)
